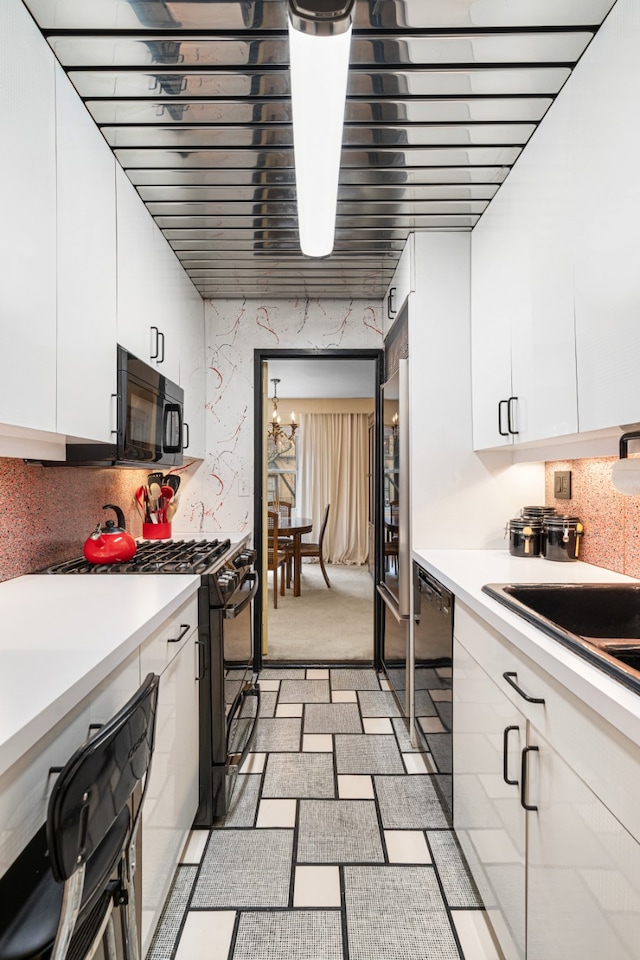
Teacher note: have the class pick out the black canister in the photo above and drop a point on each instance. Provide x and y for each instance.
(525, 537)
(561, 537)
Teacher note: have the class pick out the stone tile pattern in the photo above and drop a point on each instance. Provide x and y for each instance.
(388, 910)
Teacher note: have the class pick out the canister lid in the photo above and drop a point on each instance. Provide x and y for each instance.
(519, 523)
(561, 521)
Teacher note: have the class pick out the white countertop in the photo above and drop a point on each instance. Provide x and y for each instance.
(63, 635)
(464, 572)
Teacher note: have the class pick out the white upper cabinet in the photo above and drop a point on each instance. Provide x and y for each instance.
(402, 284)
(192, 374)
(135, 256)
(86, 271)
(606, 228)
(28, 235)
(524, 367)
(491, 303)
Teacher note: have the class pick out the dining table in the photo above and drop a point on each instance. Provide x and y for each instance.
(295, 527)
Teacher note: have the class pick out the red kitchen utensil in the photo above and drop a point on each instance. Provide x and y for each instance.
(166, 491)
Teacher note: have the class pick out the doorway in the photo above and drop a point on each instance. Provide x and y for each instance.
(333, 396)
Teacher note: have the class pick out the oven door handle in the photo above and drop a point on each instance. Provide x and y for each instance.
(235, 760)
(234, 610)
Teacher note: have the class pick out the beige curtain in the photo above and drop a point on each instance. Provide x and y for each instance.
(332, 468)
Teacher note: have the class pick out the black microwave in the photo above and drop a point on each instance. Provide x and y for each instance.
(150, 421)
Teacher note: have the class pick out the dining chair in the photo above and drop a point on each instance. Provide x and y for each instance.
(278, 552)
(58, 896)
(316, 549)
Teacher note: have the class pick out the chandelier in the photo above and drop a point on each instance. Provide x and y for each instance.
(276, 431)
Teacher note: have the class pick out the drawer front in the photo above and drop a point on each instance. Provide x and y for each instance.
(159, 649)
(603, 758)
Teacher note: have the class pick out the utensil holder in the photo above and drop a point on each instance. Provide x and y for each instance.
(156, 531)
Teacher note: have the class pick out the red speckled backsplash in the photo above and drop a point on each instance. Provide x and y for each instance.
(46, 513)
(611, 520)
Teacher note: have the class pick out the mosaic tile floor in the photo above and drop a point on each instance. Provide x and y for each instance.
(336, 846)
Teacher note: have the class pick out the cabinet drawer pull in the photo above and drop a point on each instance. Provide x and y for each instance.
(523, 779)
(184, 630)
(201, 665)
(503, 433)
(505, 761)
(508, 677)
(510, 417)
(391, 310)
(154, 351)
(161, 357)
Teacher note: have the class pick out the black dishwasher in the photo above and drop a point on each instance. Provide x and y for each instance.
(433, 657)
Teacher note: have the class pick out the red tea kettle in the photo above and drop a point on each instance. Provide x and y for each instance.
(110, 544)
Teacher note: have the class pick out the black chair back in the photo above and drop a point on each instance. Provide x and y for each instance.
(98, 781)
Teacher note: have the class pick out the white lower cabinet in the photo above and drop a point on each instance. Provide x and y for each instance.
(488, 818)
(172, 795)
(583, 868)
(558, 869)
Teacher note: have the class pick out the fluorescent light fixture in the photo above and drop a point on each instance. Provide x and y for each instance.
(319, 70)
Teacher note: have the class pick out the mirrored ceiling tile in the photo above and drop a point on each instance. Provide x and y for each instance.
(353, 176)
(232, 137)
(458, 83)
(194, 137)
(286, 213)
(563, 47)
(159, 14)
(479, 13)
(284, 194)
(191, 112)
(248, 111)
(155, 84)
(271, 14)
(203, 52)
(383, 157)
(426, 110)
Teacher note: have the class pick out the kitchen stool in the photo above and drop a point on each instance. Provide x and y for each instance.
(58, 896)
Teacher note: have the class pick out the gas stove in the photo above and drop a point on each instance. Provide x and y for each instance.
(158, 556)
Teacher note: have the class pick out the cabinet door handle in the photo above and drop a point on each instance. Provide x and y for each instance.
(161, 337)
(184, 630)
(503, 433)
(525, 696)
(505, 761)
(185, 442)
(200, 652)
(523, 779)
(510, 417)
(154, 351)
(391, 310)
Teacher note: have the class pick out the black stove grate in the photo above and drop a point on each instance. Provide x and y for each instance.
(161, 556)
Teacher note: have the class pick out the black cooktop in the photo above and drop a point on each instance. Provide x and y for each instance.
(157, 556)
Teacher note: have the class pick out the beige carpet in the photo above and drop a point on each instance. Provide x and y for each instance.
(323, 624)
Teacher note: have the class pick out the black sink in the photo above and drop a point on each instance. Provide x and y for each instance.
(600, 621)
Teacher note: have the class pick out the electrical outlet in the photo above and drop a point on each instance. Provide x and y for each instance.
(243, 487)
(562, 484)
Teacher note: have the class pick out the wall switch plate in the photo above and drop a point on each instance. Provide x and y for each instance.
(562, 484)
(243, 487)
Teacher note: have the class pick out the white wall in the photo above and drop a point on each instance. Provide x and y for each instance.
(233, 329)
(458, 498)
